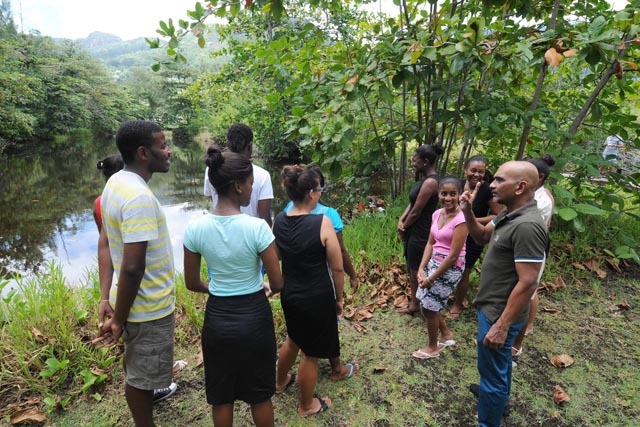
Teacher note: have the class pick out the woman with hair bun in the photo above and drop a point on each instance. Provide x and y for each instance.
(108, 166)
(238, 336)
(312, 297)
(415, 221)
(545, 202)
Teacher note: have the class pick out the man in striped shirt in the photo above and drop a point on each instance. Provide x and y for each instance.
(517, 240)
(134, 243)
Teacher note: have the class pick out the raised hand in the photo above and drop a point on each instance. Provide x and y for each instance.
(467, 198)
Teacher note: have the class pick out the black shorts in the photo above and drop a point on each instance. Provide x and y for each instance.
(239, 349)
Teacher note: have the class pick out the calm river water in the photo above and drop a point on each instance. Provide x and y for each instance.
(45, 209)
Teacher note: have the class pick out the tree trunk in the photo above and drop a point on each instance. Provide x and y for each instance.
(536, 95)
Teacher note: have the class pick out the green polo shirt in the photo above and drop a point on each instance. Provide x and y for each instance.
(518, 236)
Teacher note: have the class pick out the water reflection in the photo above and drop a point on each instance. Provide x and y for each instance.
(45, 209)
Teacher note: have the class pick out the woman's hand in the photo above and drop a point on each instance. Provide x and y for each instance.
(422, 278)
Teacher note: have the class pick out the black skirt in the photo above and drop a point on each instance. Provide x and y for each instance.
(312, 324)
(239, 349)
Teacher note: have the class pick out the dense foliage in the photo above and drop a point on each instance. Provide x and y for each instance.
(357, 91)
(49, 89)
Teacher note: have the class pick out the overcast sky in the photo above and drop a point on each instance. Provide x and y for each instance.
(126, 19)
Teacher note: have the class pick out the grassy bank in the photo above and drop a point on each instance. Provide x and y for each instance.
(48, 365)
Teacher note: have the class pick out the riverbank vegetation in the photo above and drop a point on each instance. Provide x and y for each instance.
(588, 311)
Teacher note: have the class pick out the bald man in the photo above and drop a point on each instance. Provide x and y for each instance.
(517, 239)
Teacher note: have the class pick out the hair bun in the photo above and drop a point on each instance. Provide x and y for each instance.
(214, 157)
(549, 159)
(438, 148)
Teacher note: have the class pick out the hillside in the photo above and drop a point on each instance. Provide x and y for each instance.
(124, 55)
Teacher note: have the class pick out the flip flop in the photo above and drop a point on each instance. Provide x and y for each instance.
(447, 343)
(179, 365)
(419, 354)
(352, 372)
(516, 351)
(292, 379)
(323, 407)
(351, 367)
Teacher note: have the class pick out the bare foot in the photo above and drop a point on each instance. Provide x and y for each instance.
(319, 405)
(410, 310)
(346, 371)
(529, 331)
(454, 313)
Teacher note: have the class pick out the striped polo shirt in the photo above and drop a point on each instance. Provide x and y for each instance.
(131, 213)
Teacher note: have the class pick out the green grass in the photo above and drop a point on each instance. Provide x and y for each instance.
(589, 325)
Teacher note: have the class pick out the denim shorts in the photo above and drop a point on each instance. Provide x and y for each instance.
(148, 353)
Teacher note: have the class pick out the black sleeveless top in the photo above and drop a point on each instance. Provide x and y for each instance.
(304, 258)
(421, 227)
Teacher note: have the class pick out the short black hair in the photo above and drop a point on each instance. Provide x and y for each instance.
(133, 134)
(239, 137)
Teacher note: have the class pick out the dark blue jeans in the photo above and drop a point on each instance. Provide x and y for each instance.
(494, 366)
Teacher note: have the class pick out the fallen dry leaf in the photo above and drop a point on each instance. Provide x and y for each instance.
(562, 361)
(31, 415)
(401, 301)
(550, 310)
(624, 305)
(379, 369)
(199, 359)
(578, 266)
(359, 327)
(97, 371)
(613, 264)
(37, 335)
(591, 264)
(348, 314)
(559, 395)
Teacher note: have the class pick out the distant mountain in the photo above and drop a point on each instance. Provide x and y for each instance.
(124, 55)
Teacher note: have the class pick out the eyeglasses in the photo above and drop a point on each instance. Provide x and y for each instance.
(318, 190)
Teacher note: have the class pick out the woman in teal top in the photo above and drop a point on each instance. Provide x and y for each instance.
(238, 336)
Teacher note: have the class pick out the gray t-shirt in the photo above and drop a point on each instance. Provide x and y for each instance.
(518, 236)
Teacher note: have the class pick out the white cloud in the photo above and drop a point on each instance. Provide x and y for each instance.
(125, 18)
(78, 18)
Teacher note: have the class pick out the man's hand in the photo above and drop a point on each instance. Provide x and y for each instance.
(109, 333)
(339, 306)
(467, 198)
(353, 281)
(104, 311)
(496, 336)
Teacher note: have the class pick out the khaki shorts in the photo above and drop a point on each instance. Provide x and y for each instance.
(148, 353)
